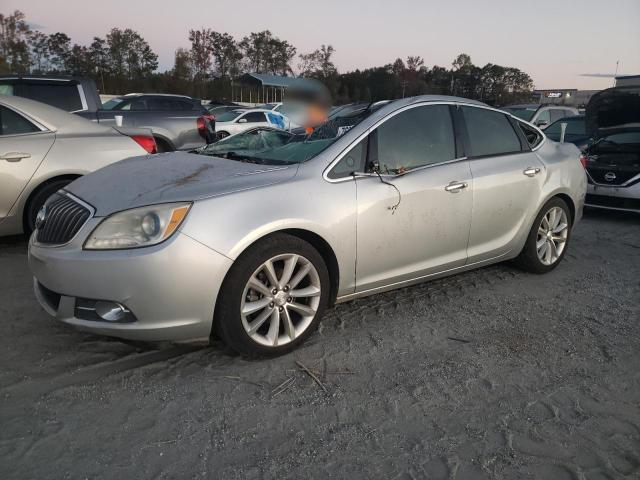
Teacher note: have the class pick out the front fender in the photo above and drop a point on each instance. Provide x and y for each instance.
(229, 224)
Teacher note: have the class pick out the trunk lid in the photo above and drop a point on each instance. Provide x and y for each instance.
(613, 121)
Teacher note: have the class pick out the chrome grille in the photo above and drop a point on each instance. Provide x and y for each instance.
(63, 220)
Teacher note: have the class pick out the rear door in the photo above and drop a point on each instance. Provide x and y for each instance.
(507, 181)
(23, 146)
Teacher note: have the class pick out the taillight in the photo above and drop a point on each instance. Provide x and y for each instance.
(147, 142)
(584, 160)
(201, 122)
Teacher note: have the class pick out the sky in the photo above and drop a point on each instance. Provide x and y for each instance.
(556, 42)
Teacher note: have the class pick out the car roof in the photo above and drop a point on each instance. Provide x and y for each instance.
(43, 77)
(52, 118)
(523, 105)
(130, 95)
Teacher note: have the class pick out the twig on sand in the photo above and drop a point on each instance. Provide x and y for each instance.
(240, 379)
(283, 386)
(462, 340)
(312, 375)
(319, 374)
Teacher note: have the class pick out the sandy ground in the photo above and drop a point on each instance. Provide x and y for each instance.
(493, 374)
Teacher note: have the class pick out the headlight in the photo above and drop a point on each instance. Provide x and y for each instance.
(138, 227)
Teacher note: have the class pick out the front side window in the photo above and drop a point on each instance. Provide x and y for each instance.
(544, 118)
(490, 132)
(65, 96)
(557, 114)
(12, 123)
(414, 138)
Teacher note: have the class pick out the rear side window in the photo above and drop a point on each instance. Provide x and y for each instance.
(531, 134)
(12, 123)
(414, 138)
(254, 117)
(490, 133)
(65, 96)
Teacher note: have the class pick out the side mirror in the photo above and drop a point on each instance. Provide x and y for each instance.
(242, 120)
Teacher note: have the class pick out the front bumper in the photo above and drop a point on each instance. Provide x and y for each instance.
(170, 288)
(614, 198)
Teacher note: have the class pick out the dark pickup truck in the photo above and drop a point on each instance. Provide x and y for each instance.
(177, 122)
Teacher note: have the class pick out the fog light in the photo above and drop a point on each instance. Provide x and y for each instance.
(110, 311)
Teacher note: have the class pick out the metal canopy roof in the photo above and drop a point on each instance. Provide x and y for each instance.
(268, 80)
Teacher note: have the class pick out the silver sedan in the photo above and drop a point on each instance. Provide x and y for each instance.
(43, 148)
(255, 246)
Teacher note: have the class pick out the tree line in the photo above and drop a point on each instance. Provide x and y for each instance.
(122, 61)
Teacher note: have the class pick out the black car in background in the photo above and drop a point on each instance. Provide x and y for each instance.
(613, 154)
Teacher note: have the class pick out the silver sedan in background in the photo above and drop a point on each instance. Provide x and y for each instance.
(255, 246)
(43, 148)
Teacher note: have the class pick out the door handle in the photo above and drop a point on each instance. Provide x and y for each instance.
(455, 187)
(530, 171)
(15, 156)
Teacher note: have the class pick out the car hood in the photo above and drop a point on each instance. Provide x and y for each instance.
(613, 107)
(171, 177)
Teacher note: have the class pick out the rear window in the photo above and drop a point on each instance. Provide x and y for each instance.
(623, 138)
(490, 132)
(65, 95)
(168, 103)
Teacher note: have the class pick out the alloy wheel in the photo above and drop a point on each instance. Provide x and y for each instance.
(552, 236)
(280, 300)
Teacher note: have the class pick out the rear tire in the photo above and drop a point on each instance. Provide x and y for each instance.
(548, 239)
(273, 297)
(37, 201)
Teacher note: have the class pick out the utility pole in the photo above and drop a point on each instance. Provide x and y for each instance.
(616, 74)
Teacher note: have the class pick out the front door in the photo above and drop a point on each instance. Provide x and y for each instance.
(414, 218)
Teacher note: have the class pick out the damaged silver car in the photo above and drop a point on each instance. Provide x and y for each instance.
(252, 245)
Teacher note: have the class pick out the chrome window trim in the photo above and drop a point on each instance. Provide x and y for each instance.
(347, 149)
(79, 201)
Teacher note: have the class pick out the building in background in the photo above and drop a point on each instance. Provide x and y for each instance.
(628, 81)
(564, 96)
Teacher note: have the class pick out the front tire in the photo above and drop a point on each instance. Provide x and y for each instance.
(548, 239)
(273, 297)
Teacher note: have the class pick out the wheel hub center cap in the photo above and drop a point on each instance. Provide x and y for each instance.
(549, 234)
(280, 298)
